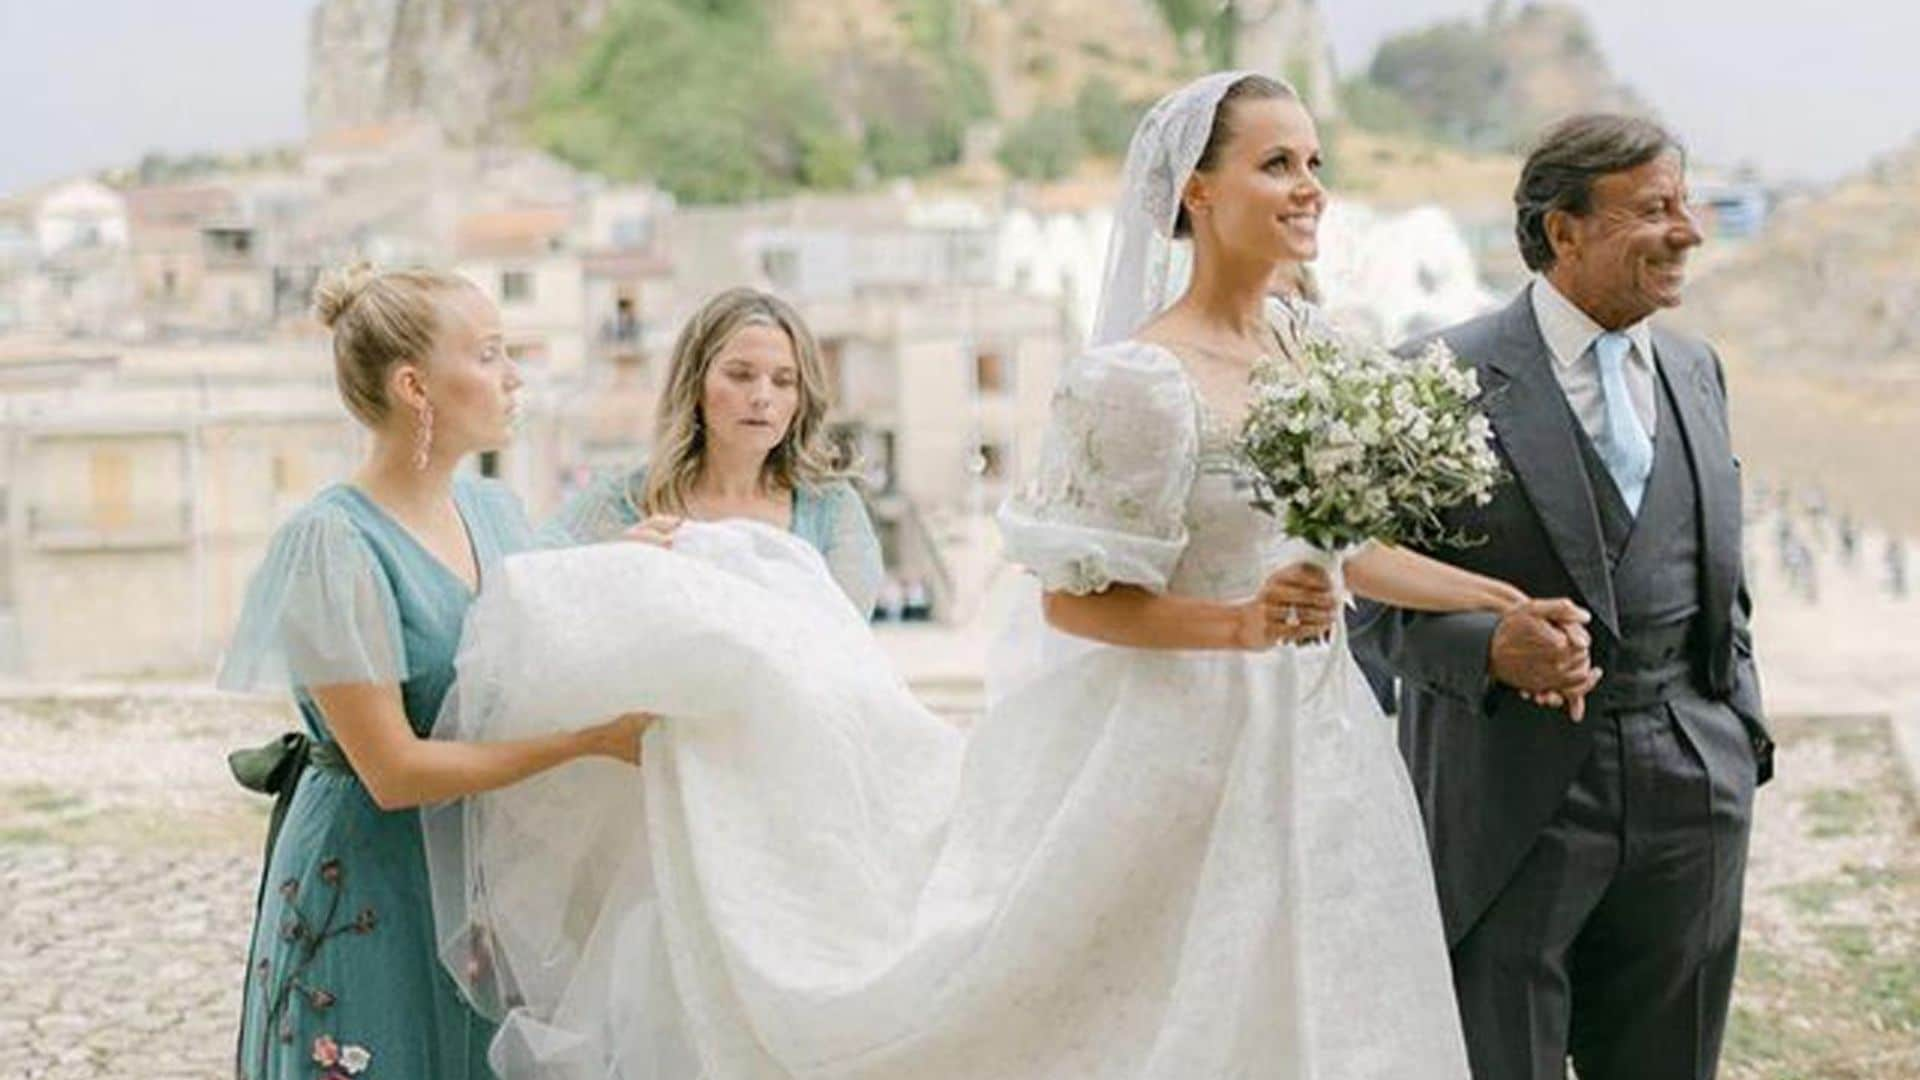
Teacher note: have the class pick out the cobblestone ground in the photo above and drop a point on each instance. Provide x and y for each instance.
(127, 875)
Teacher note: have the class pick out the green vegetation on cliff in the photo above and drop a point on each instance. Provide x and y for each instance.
(659, 92)
(701, 97)
(697, 96)
(1487, 84)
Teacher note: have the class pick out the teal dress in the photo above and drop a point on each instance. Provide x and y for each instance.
(830, 516)
(344, 976)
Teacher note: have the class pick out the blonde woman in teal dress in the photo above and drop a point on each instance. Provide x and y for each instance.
(357, 610)
(740, 432)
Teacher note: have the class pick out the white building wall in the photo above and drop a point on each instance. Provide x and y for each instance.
(553, 320)
(80, 214)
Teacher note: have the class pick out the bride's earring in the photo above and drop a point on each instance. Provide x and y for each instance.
(423, 437)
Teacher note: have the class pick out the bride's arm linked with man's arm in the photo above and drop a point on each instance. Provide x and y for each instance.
(1297, 604)
(1538, 647)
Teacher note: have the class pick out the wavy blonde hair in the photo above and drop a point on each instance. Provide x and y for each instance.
(804, 457)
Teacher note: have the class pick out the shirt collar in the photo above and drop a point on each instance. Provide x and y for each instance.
(1570, 331)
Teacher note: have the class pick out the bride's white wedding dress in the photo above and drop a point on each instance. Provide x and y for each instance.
(1139, 863)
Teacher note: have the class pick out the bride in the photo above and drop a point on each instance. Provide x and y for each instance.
(1168, 850)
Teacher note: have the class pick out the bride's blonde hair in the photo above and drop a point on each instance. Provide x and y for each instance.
(804, 457)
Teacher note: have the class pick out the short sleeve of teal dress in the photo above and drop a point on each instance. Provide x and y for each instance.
(318, 611)
(602, 509)
(833, 518)
(343, 974)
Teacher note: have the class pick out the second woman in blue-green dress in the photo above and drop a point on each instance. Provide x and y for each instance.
(740, 432)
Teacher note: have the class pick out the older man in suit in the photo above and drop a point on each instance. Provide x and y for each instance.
(1590, 869)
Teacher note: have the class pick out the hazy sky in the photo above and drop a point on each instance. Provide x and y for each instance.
(1803, 89)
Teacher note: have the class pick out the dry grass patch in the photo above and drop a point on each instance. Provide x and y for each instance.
(1829, 984)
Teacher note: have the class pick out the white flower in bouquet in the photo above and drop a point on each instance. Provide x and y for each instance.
(1352, 443)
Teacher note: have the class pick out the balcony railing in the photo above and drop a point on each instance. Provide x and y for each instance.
(90, 529)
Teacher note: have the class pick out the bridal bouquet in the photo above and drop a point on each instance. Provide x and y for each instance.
(1355, 444)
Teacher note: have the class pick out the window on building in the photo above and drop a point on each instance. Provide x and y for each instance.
(625, 324)
(229, 243)
(990, 461)
(990, 371)
(289, 473)
(516, 287)
(112, 475)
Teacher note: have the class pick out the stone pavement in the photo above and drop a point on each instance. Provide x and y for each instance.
(127, 875)
(120, 963)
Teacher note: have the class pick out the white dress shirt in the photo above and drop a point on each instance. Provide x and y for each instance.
(1570, 333)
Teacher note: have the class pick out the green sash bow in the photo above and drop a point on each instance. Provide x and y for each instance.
(274, 768)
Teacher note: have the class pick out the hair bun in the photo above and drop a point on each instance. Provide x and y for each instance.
(338, 288)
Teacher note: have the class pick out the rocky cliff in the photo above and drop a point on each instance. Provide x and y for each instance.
(470, 66)
(1491, 84)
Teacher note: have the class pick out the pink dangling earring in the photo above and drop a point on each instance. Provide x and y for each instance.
(423, 437)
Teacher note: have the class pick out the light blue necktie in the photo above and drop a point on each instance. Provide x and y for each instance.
(1624, 445)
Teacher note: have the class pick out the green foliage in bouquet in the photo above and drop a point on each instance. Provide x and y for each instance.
(1352, 443)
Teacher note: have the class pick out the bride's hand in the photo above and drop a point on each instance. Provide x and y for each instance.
(1295, 604)
(1571, 696)
(657, 530)
(619, 738)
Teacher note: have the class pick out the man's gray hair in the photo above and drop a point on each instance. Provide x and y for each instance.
(1563, 164)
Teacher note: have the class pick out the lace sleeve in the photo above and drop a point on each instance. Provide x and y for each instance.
(1109, 502)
